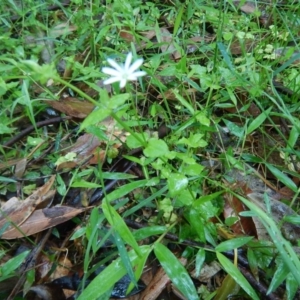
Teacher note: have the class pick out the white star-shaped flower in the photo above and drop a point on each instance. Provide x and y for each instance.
(123, 73)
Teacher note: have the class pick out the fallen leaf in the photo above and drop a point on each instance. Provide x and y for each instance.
(72, 107)
(17, 212)
(42, 219)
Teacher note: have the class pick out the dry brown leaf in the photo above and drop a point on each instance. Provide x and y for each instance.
(169, 94)
(62, 29)
(208, 271)
(233, 206)
(72, 107)
(20, 167)
(168, 45)
(42, 219)
(18, 211)
(248, 7)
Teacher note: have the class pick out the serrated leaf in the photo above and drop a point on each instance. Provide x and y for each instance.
(176, 271)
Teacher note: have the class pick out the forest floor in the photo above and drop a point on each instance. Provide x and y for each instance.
(149, 150)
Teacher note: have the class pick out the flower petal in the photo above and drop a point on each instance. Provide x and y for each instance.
(128, 61)
(135, 65)
(123, 83)
(114, 64)
(110, 71)
(111, 80)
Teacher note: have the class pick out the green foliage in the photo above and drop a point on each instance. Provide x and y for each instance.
(208, 66)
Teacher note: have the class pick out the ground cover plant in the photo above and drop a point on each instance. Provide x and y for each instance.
(149, 150)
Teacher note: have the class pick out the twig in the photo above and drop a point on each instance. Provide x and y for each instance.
(31, 128)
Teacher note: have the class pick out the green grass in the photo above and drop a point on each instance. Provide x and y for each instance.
(209, 66)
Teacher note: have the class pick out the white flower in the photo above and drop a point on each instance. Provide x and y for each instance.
(123, 73)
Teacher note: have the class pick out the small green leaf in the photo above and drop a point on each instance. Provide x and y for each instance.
(233, 244)
(234, 129)
(96, 116)
(120, 226)
(176, 271)
(117, 100)
(283, 178)
(146, 232)
(291, 286)
(183, 101)
(280, 275)
(85, 184)
(125, 189)
(258, 121)
(194, 141)
(235, 273)
(177, 183)
(202, 118)
(197, 224)
(132, 142)
(10, 266)
(124, 256)
(200, 258)
(156, 148)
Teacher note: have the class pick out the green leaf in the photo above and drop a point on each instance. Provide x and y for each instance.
(10, 266)
(178, 20)
(124, 256)
(233, 244)
(183, 101)
(132, 142)
(110, 275)
(197, 224)
(258, 121)
(6, 179)
(200, 258)
(120, 226)
(96, 116)
(194, 141)
(125, 189)
(206, 198)
(146, 232)
(283, 178)
(234, 272)
(176, 271)
(156, 148)
(234, 129)
(285, 249)
(85, 184)
(202, 119)
(177, 183)
(291, 286)
(117, 100)
(225, 55)
(280, 275)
